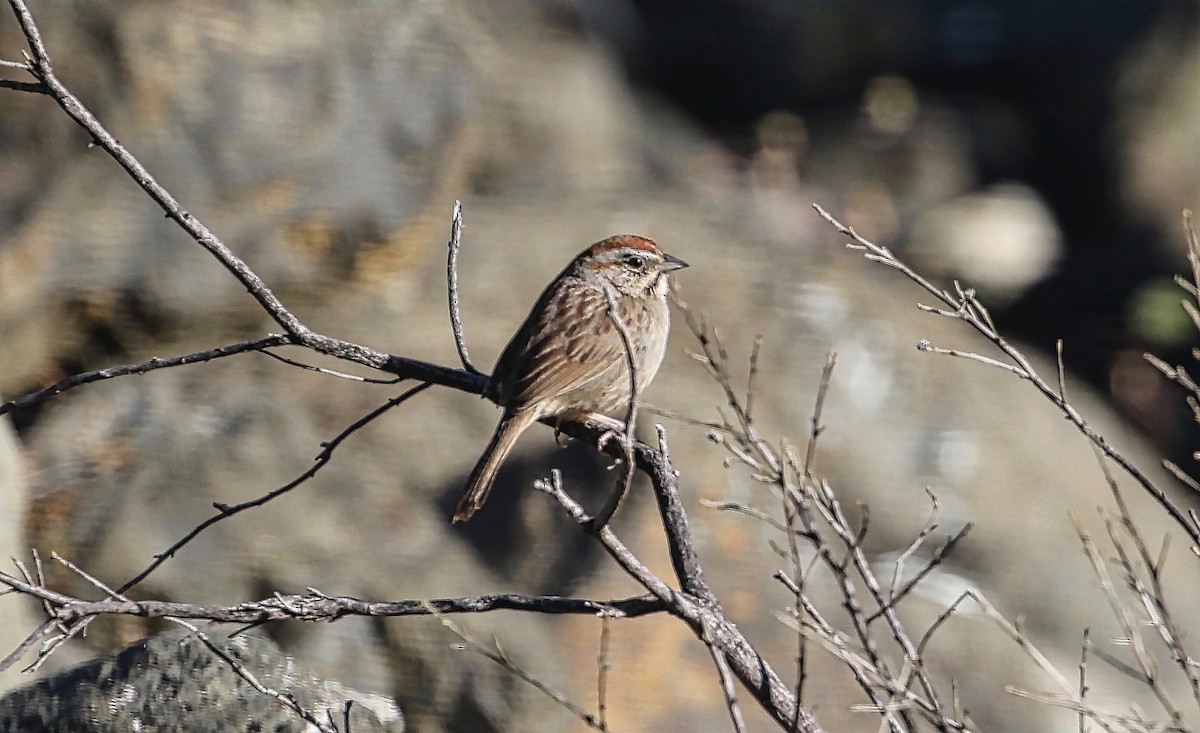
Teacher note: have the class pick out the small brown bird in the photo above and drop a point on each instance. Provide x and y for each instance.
(568, 359)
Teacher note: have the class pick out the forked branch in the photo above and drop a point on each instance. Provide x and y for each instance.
(963, 305)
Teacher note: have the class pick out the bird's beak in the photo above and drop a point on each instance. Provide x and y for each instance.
(671, 262)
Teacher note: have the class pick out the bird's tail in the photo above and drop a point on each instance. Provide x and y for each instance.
(484, 473)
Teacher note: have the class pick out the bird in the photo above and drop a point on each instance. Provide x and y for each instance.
(568, 359)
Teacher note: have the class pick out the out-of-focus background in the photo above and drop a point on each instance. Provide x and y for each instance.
(1042, 153)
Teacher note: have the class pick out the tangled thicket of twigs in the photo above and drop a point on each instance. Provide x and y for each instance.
(884, 657)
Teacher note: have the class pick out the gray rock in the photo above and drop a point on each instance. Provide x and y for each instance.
(169, 682)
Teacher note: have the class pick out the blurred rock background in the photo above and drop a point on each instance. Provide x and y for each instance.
(1042, 154)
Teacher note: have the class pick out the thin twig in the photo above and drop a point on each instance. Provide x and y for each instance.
(939, 555)
(928, 529)
(744, 444)
(803, 498)
(752, 378)
(1193, 242)
(621, 490)
(966, 308)
(1155, 597)
(330, 372)
(872, 679)
(1062, 370)
(1134, 723)
(1130, 627)
(1069, 689)
(685, 419)
(70, 630)
(728, 691)
(285, 699)
(498, 656)
(30, 641)
(715, 360)
(460, 341)
(224, 511)
(149, 365)
(68, 612)
(602, 667)
(926, 346)
(1083, 686)
(792, 511)
(830, 507)
(759, 514)
(818, 625)
(817, 427)
(617, 549)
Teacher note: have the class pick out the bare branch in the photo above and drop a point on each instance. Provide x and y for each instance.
(330, 372)
(42, 69)
(224, 511)
(1154, 597)
(602, 667)
(150, 365)
(759, 514)
(1069, 689)
(898, 568)
(695, 605)
(814, 433)
(498, 656)
(1127, 723)
(313, 606)
(752, 378)
(939, 555)
(621, 490)
(924, 345)
(297, 333)
(67, 631)
(629, 562)
(830, 507)
(966, 308)
(1062, 370)
(727, 689)
(1083, 686)
(715, 359)
(873, 679)
(460, 341)
(285, 699)
(34, 638)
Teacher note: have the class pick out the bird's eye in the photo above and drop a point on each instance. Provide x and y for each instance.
(635, 261)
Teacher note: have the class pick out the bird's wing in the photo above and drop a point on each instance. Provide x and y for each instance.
(571, 341)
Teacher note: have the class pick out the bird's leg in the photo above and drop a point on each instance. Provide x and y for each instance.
(613, 430)
(611, 427)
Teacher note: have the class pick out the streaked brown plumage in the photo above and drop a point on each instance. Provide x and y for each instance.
(567, 359)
